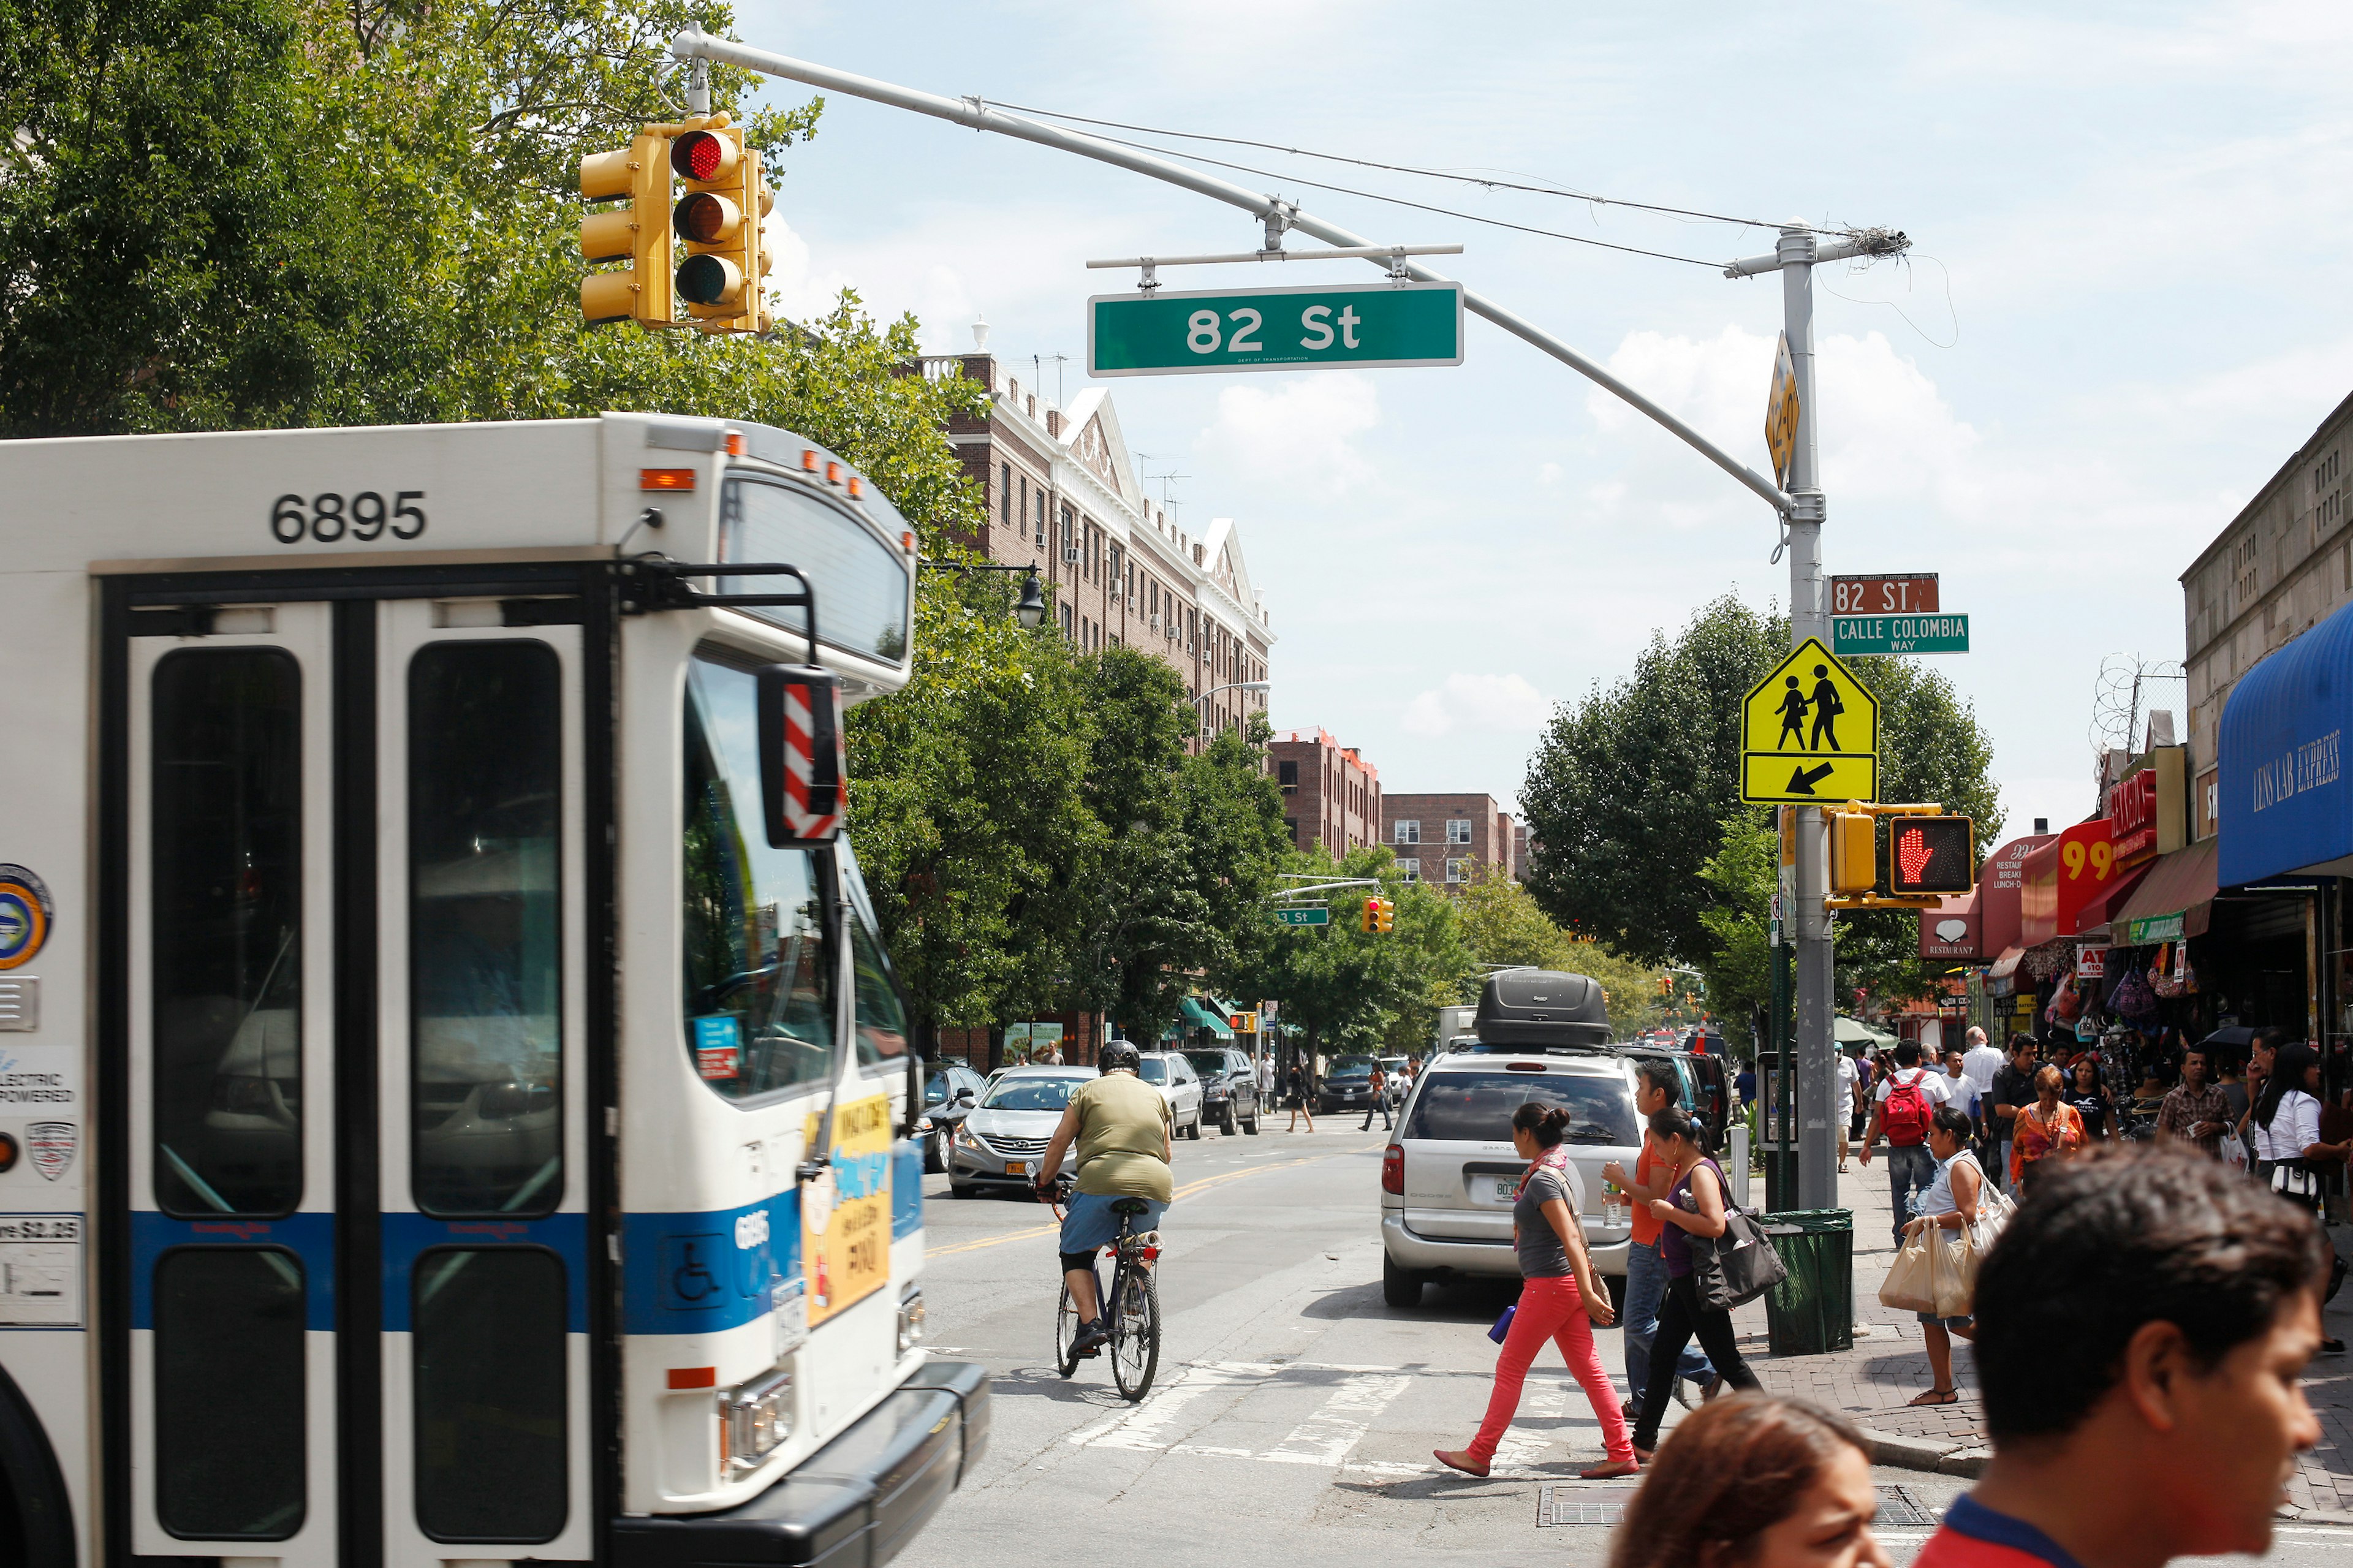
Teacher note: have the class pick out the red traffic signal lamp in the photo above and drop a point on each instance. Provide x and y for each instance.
(719, 221)
(637, 231)
(1370, 919)
(1931, 854)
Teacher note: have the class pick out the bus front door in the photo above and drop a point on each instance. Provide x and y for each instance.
(351, 1276)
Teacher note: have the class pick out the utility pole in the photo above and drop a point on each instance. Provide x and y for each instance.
(1795, 257)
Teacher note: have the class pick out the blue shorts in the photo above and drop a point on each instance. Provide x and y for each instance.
(1089, 1224)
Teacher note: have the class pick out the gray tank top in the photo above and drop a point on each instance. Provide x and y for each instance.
(1542, 1254)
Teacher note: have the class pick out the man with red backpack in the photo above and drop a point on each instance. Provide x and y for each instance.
(1907, 1097)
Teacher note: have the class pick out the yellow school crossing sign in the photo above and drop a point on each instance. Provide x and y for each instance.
(1809, 733)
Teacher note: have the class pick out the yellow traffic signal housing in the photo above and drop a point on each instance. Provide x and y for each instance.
(1854, 853)
(639, 231)
(1384, 915)
(1371, 919)
(719, 221)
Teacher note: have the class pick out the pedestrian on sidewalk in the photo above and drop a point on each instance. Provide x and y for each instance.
(2013, 1088)
(2089, 1096)
(2047, 1131)
(1298, 1105)
(1849, 1099)
(1559, 1293)
(2286, 1121)
(1949, 1204)
(1758, 1482)
(1866, 1079)
(1960, 1089)
(1694, 1206)
(2188, 1304)
(2194, 1112)
(2260, 1052)
(1655, 1088)
(1907, 1097)
(1983, 1063)
(1380, 1102)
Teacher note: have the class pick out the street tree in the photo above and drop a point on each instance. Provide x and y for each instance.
(1504, 926)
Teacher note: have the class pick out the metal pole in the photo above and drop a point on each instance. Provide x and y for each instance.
(980, 116)
(1817, 1141)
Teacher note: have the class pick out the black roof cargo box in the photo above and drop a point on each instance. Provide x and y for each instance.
(1541, 1007)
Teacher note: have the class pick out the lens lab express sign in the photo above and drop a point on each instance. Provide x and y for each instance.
(1364, 326)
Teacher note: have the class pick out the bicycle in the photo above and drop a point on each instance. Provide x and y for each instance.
(1131, 1310)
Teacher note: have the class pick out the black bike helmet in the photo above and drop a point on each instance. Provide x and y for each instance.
(1118, 1056)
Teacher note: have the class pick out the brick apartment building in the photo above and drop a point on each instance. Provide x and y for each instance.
(1331, 796)
(1451, 839)
(1065, 496)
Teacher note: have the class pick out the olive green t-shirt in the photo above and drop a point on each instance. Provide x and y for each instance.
(1122, 1138)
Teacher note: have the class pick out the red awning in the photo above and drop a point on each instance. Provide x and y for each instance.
(2180, 890)
(2100, 912)
(2007, 964)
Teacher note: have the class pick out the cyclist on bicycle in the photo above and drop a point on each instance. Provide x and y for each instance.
(1119, 1126)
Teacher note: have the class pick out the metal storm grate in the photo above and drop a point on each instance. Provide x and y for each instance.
(1899, 1509)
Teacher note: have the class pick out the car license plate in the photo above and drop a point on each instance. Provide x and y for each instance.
(1507, 1188)
(1016, 1167)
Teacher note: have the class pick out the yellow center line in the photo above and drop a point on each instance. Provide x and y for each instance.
(1186, 1191)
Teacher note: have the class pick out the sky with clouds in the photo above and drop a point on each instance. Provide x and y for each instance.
(2123, 311)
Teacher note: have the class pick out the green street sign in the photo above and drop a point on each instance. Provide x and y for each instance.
(1303, 917)
(1864, 634)
(1365, 326)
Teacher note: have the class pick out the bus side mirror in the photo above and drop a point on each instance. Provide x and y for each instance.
(803, 774)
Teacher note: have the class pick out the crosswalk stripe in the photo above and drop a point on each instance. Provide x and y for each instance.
(1341, 1423)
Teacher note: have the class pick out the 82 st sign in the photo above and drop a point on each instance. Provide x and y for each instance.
(1367, 326)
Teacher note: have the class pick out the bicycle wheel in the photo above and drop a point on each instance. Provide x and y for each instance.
(1135, 1332)
(1066, 1328)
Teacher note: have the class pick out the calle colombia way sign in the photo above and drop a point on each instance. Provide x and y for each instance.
(1367, 326)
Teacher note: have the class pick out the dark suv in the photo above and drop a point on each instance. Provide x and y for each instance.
(1228, 1090)
(1348, 1086)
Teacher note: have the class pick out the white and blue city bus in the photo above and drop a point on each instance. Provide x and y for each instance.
(439, 1125)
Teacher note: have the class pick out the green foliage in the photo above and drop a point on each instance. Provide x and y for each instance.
(1740, 877)
(1504, 925)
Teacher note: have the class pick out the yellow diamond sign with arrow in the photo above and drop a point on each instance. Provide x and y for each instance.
(1809, 733)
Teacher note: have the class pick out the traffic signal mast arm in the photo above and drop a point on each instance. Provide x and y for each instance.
(1277, 215)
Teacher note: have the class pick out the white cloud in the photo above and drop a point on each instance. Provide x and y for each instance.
(1297, 437)
(1489, 702)
(1548, 473)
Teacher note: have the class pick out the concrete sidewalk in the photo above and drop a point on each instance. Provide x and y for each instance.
(1872, 1384)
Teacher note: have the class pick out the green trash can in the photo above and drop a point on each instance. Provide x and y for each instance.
(1812, 1310)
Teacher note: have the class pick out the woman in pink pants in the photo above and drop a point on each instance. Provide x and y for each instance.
(1560, 1293)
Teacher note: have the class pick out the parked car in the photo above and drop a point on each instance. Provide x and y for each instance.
(1348, 1086)
(1229, 1095)
(1449, 1172)
(1395, 1066)
(1706, 1093)
(1174, 1077)
(950, 1092)
(998, 1145)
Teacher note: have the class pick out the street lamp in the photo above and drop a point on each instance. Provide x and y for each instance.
(1233, 685)
(1029, 609)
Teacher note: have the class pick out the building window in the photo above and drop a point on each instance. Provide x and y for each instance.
(1457, 868)
(1412, 869)
(1287, 776)
(1041, 518)
(1005, 491)
(1066, 620)
(1407, 832)
(1458, 831)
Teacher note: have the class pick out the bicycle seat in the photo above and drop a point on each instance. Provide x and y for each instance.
(1129, 1205)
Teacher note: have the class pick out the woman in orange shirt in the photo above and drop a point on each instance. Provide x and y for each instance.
(2048, 1129)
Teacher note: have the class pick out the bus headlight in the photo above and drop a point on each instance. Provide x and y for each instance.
(911, 1320)
(757, 1417)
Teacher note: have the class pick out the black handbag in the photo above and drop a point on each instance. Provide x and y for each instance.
(1734, 1268)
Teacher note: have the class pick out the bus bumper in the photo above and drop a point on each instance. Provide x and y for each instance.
(854, 1503)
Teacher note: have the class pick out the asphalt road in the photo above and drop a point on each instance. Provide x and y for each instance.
(1293, 1410)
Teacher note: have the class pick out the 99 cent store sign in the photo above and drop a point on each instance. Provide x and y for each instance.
(1367, 326)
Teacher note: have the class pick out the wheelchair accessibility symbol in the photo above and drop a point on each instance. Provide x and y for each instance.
(689, 1283)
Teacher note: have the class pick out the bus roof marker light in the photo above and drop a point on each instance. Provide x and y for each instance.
(833, 473)
(695, 1378)
(734, 443)
(665, 479)
(808, 461)
(857, 487)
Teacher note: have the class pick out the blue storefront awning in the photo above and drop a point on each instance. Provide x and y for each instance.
(2285, 804)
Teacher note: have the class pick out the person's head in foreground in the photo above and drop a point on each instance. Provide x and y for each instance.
(2143, 1325)
(1747, 1481)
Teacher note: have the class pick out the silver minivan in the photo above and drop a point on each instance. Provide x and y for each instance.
(1448, 1176)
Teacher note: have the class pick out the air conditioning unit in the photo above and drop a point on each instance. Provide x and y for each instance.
(1155, 623)
(1069, 556)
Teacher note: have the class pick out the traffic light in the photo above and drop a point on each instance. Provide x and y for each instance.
(637, 232)
(1666, 986)
(1931, 854)
(1384, 915)
(1371, 920)
(1854, 852)
(719, 221)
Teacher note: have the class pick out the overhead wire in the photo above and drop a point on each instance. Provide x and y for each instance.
(1565, 192)
(1402, 201)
